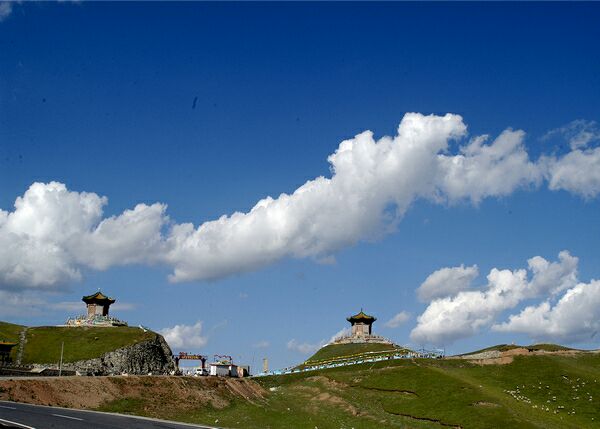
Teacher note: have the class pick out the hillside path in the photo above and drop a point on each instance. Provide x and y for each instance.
(22, 341)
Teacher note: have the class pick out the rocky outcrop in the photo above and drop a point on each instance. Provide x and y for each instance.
(151, 356)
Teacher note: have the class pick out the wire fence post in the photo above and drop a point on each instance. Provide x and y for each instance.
(62, 348)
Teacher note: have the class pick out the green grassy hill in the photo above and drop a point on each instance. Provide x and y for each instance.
(10, 332)
(44, 343)
(338, 352)
(534, 391)
(334, 351)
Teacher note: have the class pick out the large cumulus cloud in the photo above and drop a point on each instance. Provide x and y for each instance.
(53, 233)
(574, 318)
(467, 313)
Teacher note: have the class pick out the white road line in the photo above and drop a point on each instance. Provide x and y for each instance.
(20, 425)
(67, 417)
(8, 408)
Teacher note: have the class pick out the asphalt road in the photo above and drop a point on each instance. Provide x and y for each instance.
(25, 416)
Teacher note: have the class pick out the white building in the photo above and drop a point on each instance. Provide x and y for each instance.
(223, 369)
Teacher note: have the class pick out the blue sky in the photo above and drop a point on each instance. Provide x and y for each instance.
(208, 108)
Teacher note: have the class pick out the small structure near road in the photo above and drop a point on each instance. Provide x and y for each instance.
(191, 356)
(223, 366)
(223, 369)
(97, 306)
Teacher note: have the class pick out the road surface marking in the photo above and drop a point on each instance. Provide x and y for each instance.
(8, 408)
(20, 425)
(67, 417)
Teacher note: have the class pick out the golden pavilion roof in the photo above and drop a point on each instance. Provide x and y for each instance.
(361, 317)
(97, 297)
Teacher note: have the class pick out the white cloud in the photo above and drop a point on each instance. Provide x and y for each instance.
(397, 320)
(185, 336)
(448, 319)
(485, 170)
(325, 214)
(552, 277)
(263, 344)
(577, 172)
(447, 281)
(304, 348)
(339, 334)
(5, 10)
(574, 318)
(579, 133)
(53, 233)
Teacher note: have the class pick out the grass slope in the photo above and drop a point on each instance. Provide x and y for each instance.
(44, 342)
(534, 391)
(10, 332)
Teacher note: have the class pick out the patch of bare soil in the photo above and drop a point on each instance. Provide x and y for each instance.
(157, 393)
(80, 392)
(507, 357)
(336, 401)
(485, 404)
(327, 382)
(318, 396)
(493, 361)
(516, 352)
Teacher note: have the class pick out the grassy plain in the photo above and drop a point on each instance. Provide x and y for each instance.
(534, 391)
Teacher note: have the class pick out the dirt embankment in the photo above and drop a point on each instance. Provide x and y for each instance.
(156, 393)
(495, 357)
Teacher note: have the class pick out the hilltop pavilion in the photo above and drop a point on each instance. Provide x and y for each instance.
(362, 330)
(98, 306)
(361, 324)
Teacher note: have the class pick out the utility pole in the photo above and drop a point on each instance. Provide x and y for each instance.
(62, 348)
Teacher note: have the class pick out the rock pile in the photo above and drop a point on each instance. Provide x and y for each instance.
(153, 356)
